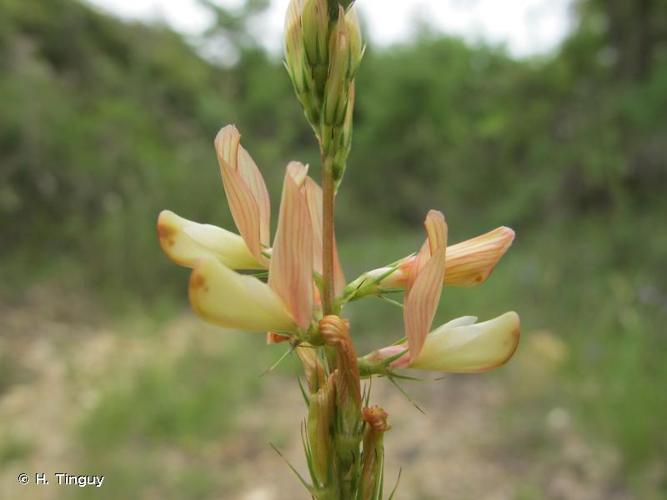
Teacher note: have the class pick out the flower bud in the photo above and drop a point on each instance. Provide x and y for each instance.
(298, 68)
(311, 366)
(336, 333)
(354, 34)
(315, 22)
(338, 81)
(320, 418)
(323, 49)
(345, 52)
(294, 50)
(373, 454)
(344, 139)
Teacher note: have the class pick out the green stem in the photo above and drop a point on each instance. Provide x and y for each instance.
(328, 195)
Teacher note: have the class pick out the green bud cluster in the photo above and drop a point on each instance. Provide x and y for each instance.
(323, 49)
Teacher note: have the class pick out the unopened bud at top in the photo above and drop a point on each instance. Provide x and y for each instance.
(294, 49)
(345, 53)
(323, 49)
(315, 24)
(354, 34)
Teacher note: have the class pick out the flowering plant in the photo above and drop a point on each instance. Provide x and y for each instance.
(295, 290)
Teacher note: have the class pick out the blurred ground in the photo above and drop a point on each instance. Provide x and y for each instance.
(473, 441)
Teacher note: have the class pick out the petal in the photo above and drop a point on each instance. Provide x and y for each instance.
(436, 230)
(423, 294)
(392, 351)
(470, 348)
(470, 262)
(421, 302)
(462, 321)
(293, 16)
(185, 242)
(291, 268)
(232, 300)
(314, 197)
(436, 238)
(245, 189)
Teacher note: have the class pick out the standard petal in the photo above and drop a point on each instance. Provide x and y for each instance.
(233, 300)
(421, 302)
(245, 189)
(185, 242)
(291, 268)
(436, 230)
(314, 197)
(436, 238)
(423, 294)
(470, 348)
(470, 262)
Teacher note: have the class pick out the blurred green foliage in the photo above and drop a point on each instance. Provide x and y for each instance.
(104, 123)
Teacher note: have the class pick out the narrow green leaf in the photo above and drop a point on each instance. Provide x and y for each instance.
(293, 469)
(398, 480)
(402, 391)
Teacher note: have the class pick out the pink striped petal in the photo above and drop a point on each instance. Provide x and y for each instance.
(425, 287)
(392, 351)
(436, 237)
(291, 267)
(436, 230)
(470, 262)
(339, 275)
(245, 189)
(314, 197)
(421, 302)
